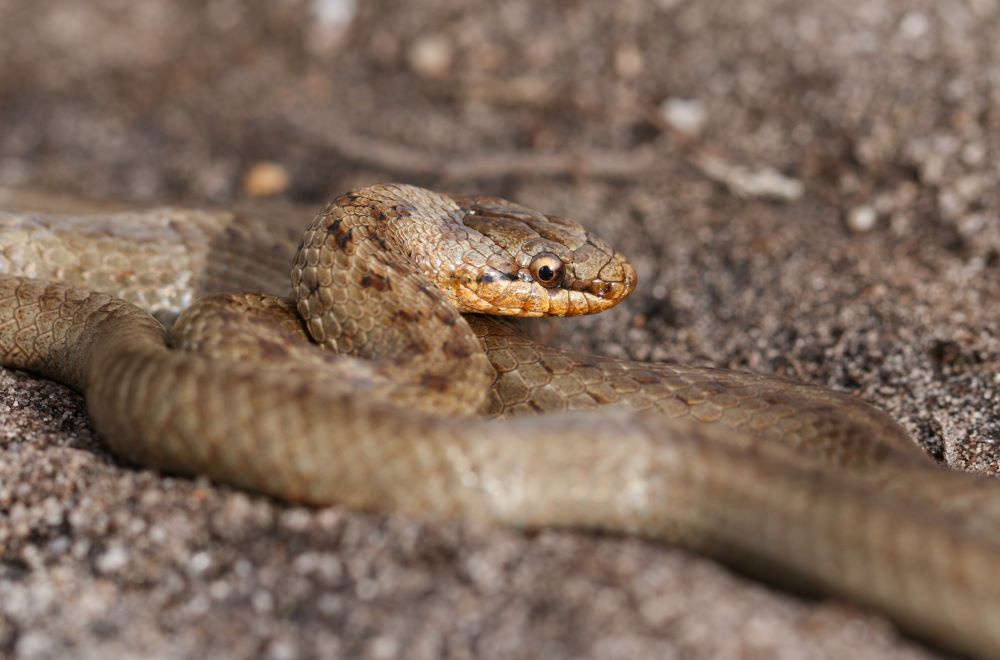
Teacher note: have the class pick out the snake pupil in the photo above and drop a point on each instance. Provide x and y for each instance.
(545, 273)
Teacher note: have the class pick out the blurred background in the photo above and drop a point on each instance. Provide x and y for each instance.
(807, 188)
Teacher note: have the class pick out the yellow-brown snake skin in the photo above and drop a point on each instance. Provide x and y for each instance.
(423, 409)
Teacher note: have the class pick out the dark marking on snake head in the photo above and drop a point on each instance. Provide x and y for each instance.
(435, 382)
(456, 348)
(446, 315)
(344, 239)
(375, 234)
(342, 236)
(406, 316)
(375, 281)
(491, 276)
(413, 349)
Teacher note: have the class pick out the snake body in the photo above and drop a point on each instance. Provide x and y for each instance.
(419, 408)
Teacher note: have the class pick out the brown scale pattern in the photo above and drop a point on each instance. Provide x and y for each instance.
(792, 482)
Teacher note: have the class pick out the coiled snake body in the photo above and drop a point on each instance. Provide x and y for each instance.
(793, 482)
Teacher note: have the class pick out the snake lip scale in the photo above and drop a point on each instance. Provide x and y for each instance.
(385, 374)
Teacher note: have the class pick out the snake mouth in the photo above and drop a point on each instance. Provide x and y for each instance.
(489, 290)
(503, 295)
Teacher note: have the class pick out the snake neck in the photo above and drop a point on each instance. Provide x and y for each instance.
(361, 294)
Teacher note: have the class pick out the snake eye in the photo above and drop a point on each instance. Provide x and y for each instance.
(547, 269)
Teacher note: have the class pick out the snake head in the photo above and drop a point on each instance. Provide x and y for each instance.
(536, 264)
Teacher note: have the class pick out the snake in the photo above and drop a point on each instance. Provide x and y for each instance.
(393, 372)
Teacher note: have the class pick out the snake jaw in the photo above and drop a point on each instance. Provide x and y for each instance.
(488, 290)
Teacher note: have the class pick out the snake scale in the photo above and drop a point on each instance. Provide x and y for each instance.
(425, 405)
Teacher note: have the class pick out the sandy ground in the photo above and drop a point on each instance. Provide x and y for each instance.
(806, 188)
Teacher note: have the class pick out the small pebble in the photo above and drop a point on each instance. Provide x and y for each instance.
(862, 218)
(431, 56)
(266, 179)
(629, 62)
(112, 560)
(684, 115)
